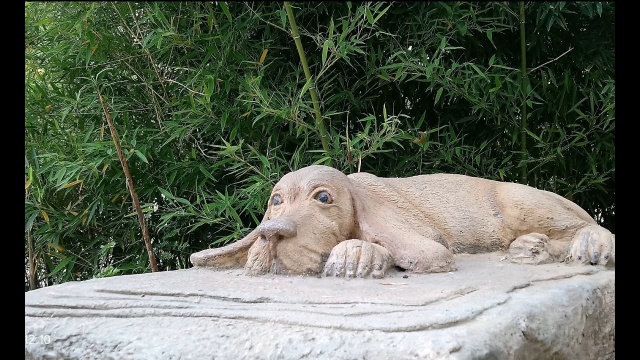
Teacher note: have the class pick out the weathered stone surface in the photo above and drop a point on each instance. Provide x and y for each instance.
(488, 309)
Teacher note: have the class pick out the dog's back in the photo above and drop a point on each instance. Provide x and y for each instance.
(474, 214)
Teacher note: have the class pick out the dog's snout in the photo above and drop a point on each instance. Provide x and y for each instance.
(277, 229)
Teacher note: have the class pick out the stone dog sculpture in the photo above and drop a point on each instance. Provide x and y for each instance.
(321, 221)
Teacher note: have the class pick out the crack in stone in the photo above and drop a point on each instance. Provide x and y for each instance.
(557, 277)
(185, 295)
(457, 322)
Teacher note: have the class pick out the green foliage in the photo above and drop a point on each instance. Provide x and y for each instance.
(212, 108)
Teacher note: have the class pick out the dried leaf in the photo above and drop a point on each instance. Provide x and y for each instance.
(72, 184)
(45, 216)
(263, 56)
(421, 139)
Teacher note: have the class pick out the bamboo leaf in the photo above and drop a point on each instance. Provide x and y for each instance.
(66, 261)
(59, 175)
(206, 172)
(85, 214)
(369, 16)
(322, 160)
(305, 88)
(325, 49)
(29, 224)
(211, 21)
(166, 193)
(331, 27)
(438, 94)
(225, 10)
(283, 17)
(478, 71)
(182, 201)
(141, 156)
(421, 120)
(380, 14)
(534, 136)
(505, 67)
(490, 36)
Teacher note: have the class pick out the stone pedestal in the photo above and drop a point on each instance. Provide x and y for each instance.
(488, 309)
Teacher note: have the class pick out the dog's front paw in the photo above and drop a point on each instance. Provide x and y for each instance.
(593, 245)
(530, 249)
(357, 258)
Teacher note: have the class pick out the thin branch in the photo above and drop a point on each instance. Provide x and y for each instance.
(202, 152)
(129, 182)
(549, 62)
(33, 274)
(193, 91)
(104, 64)
(260, 18)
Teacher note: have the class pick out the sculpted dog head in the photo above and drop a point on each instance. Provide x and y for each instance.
(309, 212)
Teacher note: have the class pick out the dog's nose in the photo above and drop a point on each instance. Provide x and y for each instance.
(277, 228)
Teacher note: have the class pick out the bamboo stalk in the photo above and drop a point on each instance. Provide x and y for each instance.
(129, 181)
(33, 275)
(324, 136)
(523, 113)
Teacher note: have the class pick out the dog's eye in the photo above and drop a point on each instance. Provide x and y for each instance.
(277, 200)
(324, 197)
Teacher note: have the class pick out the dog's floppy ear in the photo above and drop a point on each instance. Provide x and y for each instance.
(230, 256)
(385, 216)
(373, 217)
